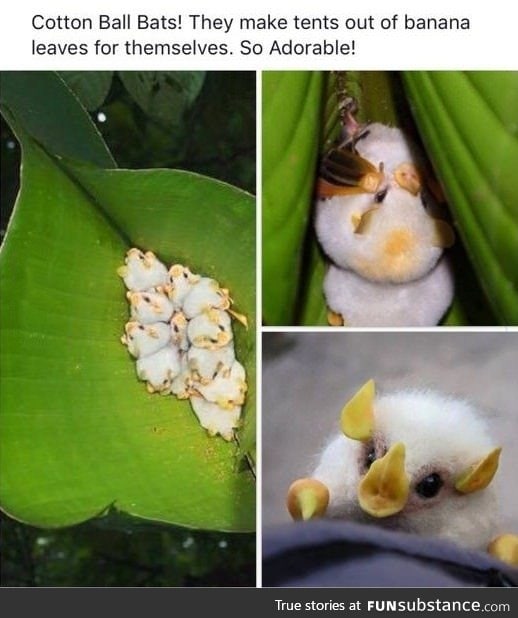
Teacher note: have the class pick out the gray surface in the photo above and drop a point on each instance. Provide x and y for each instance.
(308, 376)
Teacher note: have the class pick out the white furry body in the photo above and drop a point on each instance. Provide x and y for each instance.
(400, 245)
(368, 303)
(441, 434)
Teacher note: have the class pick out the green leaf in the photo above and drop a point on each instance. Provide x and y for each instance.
(90, 87)
(291, 116)
(79, 434)
(164, 95)
(468, 124)
(41, 103)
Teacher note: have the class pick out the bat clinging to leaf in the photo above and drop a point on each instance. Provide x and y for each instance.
(379, 224)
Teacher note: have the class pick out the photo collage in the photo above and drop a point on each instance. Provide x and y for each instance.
(259, 328)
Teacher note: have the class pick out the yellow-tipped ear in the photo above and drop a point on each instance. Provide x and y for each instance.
(479, 476)
(122, 271)
(407, 177)
(307, 498)
(357, 419)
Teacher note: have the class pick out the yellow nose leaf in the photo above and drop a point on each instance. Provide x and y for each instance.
(383, 491)
(307, 498)
(479, 476)
(357, 418)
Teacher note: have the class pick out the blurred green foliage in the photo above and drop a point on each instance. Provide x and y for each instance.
(215, 135)
(211, 132)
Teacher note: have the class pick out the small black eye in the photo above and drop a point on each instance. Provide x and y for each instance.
(381, 195)
(185, 275)
(147, 299)
(429, 486)
(370, 458)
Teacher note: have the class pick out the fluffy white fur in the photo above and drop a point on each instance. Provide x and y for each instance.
(399, 245)
(367, 303)
(387, 145)
(441, 434)
(160, 368)
(374, 255)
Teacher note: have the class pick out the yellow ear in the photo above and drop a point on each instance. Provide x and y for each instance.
(357, 418)
(479, 475)
(407, 177)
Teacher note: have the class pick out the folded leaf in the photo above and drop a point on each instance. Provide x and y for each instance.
(78, 432)
(468, 124)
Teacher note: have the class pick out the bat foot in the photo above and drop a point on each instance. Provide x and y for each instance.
(334, 319)
(505, 548)
(307, 498)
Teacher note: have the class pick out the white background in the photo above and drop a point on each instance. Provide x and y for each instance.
(489, 44)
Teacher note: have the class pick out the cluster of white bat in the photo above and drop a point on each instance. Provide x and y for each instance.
(180, 332)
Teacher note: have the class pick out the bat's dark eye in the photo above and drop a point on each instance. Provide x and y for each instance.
(370, 458)
(381, 195)
(429, 486)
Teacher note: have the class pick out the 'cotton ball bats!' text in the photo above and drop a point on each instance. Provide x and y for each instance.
(203, 35)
